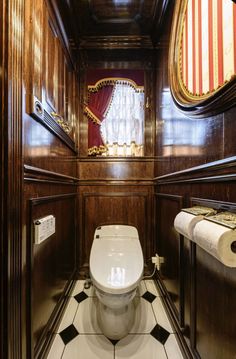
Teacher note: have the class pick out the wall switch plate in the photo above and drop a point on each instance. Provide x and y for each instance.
(44, 228)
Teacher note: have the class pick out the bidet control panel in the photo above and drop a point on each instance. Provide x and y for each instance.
(44, 228)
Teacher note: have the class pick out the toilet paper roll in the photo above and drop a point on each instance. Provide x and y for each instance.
(217, 240)
(184, 223)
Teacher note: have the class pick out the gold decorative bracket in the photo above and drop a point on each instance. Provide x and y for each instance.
(200, 211)
(227, 219)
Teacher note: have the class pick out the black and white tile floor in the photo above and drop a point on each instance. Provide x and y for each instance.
(79, 336)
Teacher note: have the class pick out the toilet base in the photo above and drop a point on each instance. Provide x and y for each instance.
(115, 323)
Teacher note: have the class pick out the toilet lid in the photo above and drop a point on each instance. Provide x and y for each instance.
(116, 264)
(114, 230)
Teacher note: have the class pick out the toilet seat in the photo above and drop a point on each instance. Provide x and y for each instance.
(116, 262)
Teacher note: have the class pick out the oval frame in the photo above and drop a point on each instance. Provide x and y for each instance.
(208, 105)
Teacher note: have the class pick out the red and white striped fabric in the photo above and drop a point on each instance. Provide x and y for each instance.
(208, 45)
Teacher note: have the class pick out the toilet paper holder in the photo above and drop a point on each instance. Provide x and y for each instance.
(227, 219)
(224, 218)
(200, 211)
(196, 217)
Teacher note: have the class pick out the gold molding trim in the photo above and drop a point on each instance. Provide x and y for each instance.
(113, 81)
(91, 115)
(194, 104)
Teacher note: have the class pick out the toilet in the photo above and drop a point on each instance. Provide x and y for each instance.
(116, 268)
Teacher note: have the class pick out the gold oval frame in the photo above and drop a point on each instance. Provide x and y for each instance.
(208, 104)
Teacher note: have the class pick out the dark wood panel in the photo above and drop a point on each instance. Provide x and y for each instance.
(103, 23)
(12, 76)
(216, 171)
(205, 140)
(207, 322)
(51, 265)
(44, 150)
(132, 206)
(215, 300)
(38, 174)
(3, 184)
(170, 246)
(49, 94)
(47, 120)
(116, 170)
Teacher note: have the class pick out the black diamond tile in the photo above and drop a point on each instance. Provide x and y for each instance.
(113, 341)
(149, 296)
(68, 334)
(80, 297)
(160, 334)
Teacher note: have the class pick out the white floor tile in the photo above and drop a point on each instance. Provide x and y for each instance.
(89, 347)
(139, 347)
(141, 289)
(161, 315)
(57, 348)
(69, 314)
(144, 317)
(151, 287)
(86, 317)
(172, 348)
(79, 287)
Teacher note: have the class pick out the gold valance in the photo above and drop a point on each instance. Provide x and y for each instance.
(113, 81)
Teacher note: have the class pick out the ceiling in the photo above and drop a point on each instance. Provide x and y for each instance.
(113, 23)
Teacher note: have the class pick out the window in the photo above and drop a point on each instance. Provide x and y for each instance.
(123, 126)
(115, 112)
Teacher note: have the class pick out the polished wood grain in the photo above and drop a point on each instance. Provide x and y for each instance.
(196, 326)
(106, 23)
(3, 183)
(51, 263)
(51, 94)
(200, 169)
(183, 169)
(116, 204)
(35, 173)
(214, 319)
(116, 169)
(50, 176)
(13, 54)
(170, 246)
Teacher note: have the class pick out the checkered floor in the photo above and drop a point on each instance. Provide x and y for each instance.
(80, 337)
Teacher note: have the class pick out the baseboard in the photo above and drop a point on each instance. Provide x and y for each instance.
(44, 344)
(185, 350)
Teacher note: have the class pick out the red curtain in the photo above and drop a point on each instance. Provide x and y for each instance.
(96, 109)
(100, 100)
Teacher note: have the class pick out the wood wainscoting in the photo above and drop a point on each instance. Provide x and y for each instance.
(50, 265)
(49, 119)
(115, 191)
(204, 289)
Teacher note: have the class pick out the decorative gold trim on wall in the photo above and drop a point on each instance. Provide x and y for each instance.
(199, 80)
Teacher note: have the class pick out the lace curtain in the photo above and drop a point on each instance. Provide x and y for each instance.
(123, 127)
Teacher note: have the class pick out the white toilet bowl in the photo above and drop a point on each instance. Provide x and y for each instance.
(116, 268)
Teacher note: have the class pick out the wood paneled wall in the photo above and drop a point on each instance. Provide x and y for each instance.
(38, 177)
(11, 54)
(115, 191)
(50, 177)
(190, 170)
